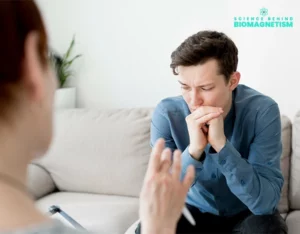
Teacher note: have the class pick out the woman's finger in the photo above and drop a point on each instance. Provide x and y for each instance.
(189, 178)
(176, 166)
(165, 160)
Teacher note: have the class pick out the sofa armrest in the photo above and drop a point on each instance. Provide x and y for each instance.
(39, 181)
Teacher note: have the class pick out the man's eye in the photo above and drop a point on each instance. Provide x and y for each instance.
(207, 89)
(185, 87)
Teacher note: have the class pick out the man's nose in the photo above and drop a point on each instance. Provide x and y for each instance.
(196, 100)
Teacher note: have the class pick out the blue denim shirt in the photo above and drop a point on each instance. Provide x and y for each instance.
(246, 173)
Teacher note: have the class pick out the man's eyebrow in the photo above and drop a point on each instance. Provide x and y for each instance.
(181, 83)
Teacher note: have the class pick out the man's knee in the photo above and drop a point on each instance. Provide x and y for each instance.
(264, 224)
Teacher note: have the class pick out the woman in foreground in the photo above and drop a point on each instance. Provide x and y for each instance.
(27, 87)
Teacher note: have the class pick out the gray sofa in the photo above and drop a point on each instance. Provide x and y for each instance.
(95, 167)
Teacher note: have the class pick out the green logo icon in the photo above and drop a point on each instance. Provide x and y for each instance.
(264, 19)
(263, 11)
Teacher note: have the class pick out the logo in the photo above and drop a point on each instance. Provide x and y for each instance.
(263, 11)
(263, 20)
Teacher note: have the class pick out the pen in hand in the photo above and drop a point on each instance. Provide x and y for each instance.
(187, 214)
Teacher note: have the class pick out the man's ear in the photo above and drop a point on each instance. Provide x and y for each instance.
(234, 80)
(32, 74)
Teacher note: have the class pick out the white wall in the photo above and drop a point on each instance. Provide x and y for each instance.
(126, 46)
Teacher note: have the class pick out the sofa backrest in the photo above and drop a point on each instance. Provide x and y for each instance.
(100, 151)
(107, 152)
(294, 193)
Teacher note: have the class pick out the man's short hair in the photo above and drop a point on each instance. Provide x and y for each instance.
(206, 45)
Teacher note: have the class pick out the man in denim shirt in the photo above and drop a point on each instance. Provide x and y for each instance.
(231, 133)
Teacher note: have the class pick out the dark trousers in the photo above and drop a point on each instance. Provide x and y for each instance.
(242, 223)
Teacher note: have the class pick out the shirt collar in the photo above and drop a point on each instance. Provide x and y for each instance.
(231, 114)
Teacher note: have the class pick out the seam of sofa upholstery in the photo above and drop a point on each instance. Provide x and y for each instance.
(40, 166)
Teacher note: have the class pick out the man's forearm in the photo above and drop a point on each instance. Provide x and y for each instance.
(246, 182)
(187, 160)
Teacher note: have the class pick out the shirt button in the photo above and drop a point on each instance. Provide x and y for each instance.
(242, 182)
(213, 175)
(269, 163)
(223, 162)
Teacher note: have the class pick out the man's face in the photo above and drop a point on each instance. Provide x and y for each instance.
(203, 85)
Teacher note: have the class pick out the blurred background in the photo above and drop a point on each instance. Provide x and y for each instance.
(126, 47)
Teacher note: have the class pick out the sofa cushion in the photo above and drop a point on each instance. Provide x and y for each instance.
(131, 229)
(294, 192)
(286, 135)
(292, 221)
(283, 215)
(39, 182)
(100, 151)
(96, 213)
